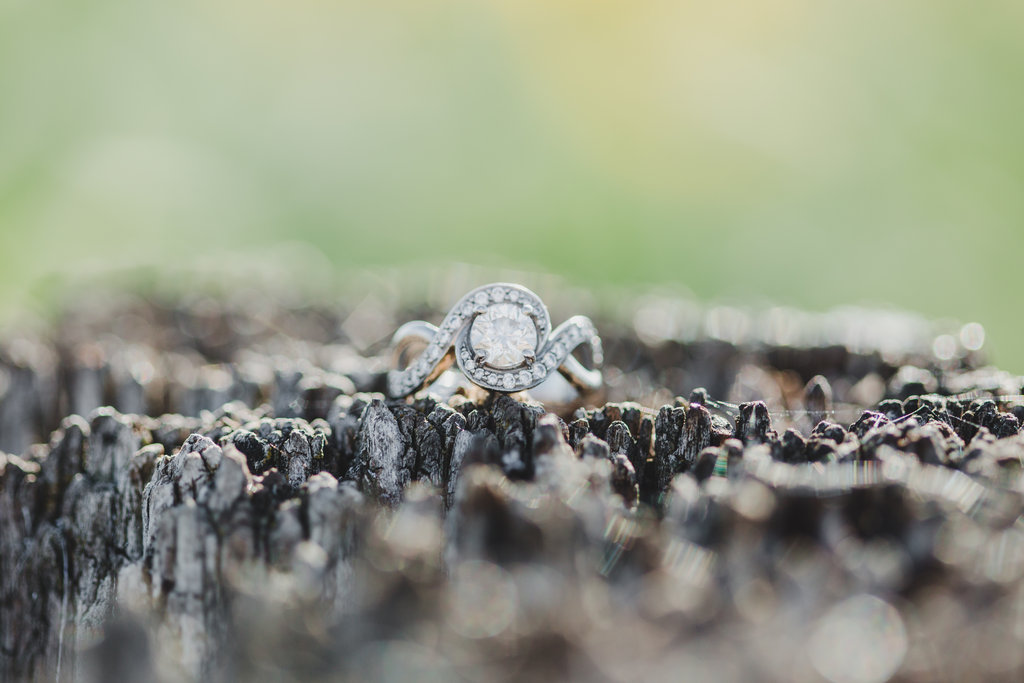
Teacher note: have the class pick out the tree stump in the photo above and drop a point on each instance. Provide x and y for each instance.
(231, 498)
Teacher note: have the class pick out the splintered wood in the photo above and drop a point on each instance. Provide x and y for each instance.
(230, 497)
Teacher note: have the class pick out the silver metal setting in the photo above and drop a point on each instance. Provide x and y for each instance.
(451, 343)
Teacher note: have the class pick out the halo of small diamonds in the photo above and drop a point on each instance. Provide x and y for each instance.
(498, 348)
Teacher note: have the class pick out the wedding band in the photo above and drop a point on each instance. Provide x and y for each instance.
(500, 338)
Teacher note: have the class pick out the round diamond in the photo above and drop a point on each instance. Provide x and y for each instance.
(508, 381)
(503, 335)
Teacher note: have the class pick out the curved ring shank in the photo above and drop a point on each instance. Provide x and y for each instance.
(410, 332)
(418, 332)
(583, 378)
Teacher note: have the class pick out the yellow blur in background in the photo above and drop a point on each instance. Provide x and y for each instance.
(780, 151)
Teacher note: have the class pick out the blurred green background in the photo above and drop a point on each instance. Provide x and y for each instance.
(801, 152)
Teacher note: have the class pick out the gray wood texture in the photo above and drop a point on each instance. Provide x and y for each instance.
(286, 523)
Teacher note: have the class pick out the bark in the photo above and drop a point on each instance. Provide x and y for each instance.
(294, 525)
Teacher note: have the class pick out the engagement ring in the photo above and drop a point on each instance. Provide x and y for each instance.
(500, 337)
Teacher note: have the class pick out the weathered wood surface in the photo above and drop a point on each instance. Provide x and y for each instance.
(150, 358)
(311, 530)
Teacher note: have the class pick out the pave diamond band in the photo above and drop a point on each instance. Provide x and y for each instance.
(500, 337)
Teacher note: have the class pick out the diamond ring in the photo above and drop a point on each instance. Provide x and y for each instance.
(500, 337)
